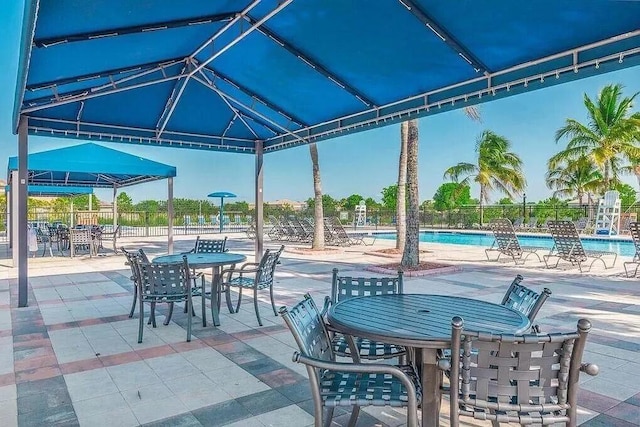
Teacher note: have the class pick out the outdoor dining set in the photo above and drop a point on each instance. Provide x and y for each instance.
(171, 279)
(372, 344)
(499, 365)
(89, 238)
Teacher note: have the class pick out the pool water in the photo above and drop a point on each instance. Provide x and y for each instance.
(621, 247)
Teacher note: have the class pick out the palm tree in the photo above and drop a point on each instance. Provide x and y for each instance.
(497, 168)
(411, 254)
(318, 213)
(609, 137)
(575, 178)
(401, 204)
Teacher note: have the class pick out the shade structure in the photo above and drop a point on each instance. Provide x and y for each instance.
(222, 195)
(256, 76)
(90, 165)
(222, 75)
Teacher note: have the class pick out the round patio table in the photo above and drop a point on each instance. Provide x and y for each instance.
(207, 260)
(422, 322)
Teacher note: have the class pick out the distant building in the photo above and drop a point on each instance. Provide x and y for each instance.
(296, 206)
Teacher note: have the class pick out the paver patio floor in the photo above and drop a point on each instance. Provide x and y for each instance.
(72, 357)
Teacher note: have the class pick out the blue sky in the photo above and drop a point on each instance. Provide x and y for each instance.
(362, 163)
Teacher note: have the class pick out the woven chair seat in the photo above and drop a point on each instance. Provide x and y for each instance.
(368, 349)
(246, 282)
(348, 389)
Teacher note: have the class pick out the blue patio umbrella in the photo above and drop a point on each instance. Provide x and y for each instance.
(222, 195)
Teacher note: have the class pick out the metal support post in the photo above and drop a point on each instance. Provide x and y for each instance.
(259, 201)
(170, 215)
(20, 188)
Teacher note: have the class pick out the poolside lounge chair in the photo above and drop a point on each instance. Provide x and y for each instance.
(532, 224)
(518, 222)
(342, 238)
(634, 228)
(568, 246)
(583, 225)
(506, 242)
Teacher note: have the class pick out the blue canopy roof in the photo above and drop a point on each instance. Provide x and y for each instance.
(224, 74)
(53, 191)
(90, 165)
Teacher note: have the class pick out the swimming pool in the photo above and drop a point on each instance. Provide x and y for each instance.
(622, 247)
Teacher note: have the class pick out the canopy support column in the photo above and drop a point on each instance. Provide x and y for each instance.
(115, 207)
(20, 188)
(170, 215)
(259, 201)
(11, 218)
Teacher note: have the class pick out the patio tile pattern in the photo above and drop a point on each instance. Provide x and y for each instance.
(72, 357)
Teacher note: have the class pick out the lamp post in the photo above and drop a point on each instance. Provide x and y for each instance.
(524, 206)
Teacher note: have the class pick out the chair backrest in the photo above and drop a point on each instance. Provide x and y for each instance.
(505, 235)
(523, 299)
(209, 246)
(267, 267)
(518, 221)
(528, 373)
(634, 230)
(169, 280)
(80, 236)
(610, 198)
(308, 328)
(133, 258)
(567, 240)
(345, 287)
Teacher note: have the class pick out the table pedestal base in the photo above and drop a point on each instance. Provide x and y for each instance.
(426, 360)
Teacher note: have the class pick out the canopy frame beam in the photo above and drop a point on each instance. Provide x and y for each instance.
(445, 36)
(134, 29)
(336, 125)
(313, 64)
(291, 117)
(172, 101)
(282, 4)
(258, 114)
(106, 74)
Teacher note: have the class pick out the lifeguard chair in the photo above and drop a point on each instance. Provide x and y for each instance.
(608, 217)
(361, 214)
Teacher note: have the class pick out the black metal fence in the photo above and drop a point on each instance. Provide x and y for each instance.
(149, 224)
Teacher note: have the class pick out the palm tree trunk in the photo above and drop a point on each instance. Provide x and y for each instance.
(318, 228)
(607, 179)
(401, 202)
(636, 171)
(411, 254)
(482, 197)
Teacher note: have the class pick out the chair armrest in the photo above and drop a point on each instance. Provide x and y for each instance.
(590, 369)
(359, 368)
(326, 306)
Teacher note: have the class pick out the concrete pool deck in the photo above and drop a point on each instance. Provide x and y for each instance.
(72, 357)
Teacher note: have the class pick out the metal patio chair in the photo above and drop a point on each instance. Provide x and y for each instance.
(133, 258)
(110, 236)
(209, 246)
(163, 283)
(345, 287)
(506, 242)
(204, 246)
(525, 300)
(634, 229)
(261, 276)
(568, 247)
(80, 238)
(523, 379)
(354, 385)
